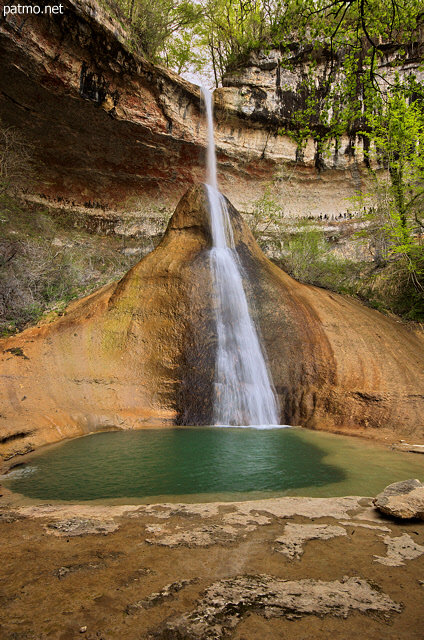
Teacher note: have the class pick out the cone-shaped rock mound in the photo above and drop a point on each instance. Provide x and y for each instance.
(141, 352)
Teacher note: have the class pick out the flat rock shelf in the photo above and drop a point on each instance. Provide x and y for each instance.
(291, 567)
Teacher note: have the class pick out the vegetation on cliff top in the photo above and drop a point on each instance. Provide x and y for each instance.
(228, 30)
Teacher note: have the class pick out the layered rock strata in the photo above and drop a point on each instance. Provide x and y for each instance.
(105, 124)
(141, 352)
(107, 127)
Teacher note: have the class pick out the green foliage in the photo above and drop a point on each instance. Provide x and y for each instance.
(350, 37)
(310, 258)
(180, 55)
(395, 130)
(341, 23)
(301, 247)
(387, 281)
(266, 216)
(308, 255)
(161, 30)
(230, 29)
(390, 288)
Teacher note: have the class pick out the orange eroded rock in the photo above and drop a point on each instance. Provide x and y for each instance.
(140, 352)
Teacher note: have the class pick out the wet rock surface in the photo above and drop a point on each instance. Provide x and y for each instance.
(203, 536)
(118, 586)
(399, 550)
(159, 597)
(402, 500)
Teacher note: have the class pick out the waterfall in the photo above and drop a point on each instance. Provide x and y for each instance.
(243, 391)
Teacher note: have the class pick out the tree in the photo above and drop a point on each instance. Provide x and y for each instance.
(230, 29)
(363, 29)
(370, 25)
(395, 130)
(153, 25)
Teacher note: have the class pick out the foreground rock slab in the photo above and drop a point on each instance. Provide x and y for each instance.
(138, 571)
(227, 602)
(291, 543)
(399, 550)
(402, 500)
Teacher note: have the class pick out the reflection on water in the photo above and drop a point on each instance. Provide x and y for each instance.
(207, 463)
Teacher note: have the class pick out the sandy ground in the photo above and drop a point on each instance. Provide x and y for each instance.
(289, 568)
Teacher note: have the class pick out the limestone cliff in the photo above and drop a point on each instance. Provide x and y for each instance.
(107, 126)
(268, 91)
(141, 352)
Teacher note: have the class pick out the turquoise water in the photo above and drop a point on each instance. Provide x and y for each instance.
(209, 463)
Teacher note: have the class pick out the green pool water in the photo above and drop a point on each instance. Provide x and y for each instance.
(210, 463)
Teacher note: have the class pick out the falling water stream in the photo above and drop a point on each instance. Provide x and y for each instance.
(243, 391)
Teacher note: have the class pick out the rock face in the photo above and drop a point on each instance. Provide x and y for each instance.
(105, 124)
(108, 127)
(270, 90)
(402, 499)
(140, 352)
(270, 87)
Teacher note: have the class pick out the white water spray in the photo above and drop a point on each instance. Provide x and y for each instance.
(243, 392)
